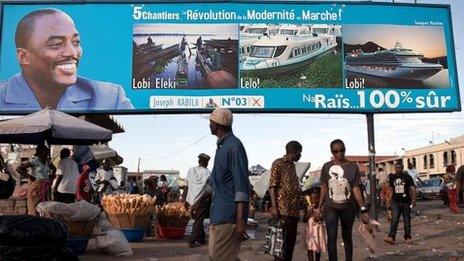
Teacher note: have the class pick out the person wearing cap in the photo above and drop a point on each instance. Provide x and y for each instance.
(105, 179)
(230, 187)
(196, 180)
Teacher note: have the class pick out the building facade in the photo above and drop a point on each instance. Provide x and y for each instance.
(429, 160)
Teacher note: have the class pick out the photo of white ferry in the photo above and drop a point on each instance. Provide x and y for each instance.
(250, 33)
(293, 47)
(268, 51)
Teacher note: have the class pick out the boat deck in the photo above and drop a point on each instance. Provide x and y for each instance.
(183, 70)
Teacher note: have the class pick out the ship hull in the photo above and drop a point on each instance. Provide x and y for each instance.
(284, 68)
(419, 72)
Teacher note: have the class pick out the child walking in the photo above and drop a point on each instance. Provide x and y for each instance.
(315, 234)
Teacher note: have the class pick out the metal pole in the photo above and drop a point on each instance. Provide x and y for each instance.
(373, 180)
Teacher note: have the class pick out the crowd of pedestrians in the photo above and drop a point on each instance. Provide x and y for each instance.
(225, 196)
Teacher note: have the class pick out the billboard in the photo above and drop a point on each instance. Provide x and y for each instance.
(190, 57)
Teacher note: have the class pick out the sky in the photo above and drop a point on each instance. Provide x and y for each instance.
(427, 40)
(174, 141)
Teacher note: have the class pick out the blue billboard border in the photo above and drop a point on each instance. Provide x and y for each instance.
(237, 110)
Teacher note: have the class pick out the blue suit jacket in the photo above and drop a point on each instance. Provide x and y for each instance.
(84, 95)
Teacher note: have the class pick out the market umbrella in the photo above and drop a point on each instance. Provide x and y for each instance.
(53, 127)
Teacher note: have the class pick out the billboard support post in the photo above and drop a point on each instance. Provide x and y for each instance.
(372, 174)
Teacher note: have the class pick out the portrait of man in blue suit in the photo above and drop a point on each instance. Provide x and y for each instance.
(48, 50)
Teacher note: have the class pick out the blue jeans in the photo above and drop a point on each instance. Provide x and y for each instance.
(398, 209)
(346, 216)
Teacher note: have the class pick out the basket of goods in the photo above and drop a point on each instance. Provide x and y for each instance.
(80, 228)
(126, 211)
(172, 219)
(80, 217)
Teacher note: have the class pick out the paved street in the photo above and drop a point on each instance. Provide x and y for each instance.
(437, 236)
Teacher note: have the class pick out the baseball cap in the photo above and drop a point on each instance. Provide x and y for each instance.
(222, 116)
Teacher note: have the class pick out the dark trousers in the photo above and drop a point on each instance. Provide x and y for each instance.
(290, 227)
(398, 209)
(460, 197)
(64, 197)
(314, 256)
(198, 230)
(346, 217)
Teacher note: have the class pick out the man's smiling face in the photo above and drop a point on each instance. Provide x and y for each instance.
(53, 51)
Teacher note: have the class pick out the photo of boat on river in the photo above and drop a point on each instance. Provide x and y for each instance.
(396, 56)
(308, 55)
(185, 56)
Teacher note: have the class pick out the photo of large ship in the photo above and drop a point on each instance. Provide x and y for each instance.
(289, 50)
(397, 63)
(397, 56)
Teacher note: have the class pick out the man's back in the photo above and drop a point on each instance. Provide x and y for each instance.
(70, 172)
(196, 180)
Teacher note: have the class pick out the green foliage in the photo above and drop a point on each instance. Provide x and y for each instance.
(323, 72)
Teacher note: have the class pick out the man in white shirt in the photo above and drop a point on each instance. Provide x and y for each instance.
(66, 181)
(196, 180)
(105, 178)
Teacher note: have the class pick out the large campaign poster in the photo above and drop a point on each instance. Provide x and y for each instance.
(250, 57)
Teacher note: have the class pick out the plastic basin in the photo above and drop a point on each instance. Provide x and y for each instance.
(171, 232)
(77, 245)
(134, 234)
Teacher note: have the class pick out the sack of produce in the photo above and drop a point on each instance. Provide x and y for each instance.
(113, 242)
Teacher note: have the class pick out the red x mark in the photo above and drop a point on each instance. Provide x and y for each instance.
(256, 102)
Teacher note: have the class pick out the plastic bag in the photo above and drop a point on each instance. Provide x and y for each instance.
(26, 237)
(80, 211)
(275, 238)
(113, 242)
(367, 232)
(315, 236)
(102, 224)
